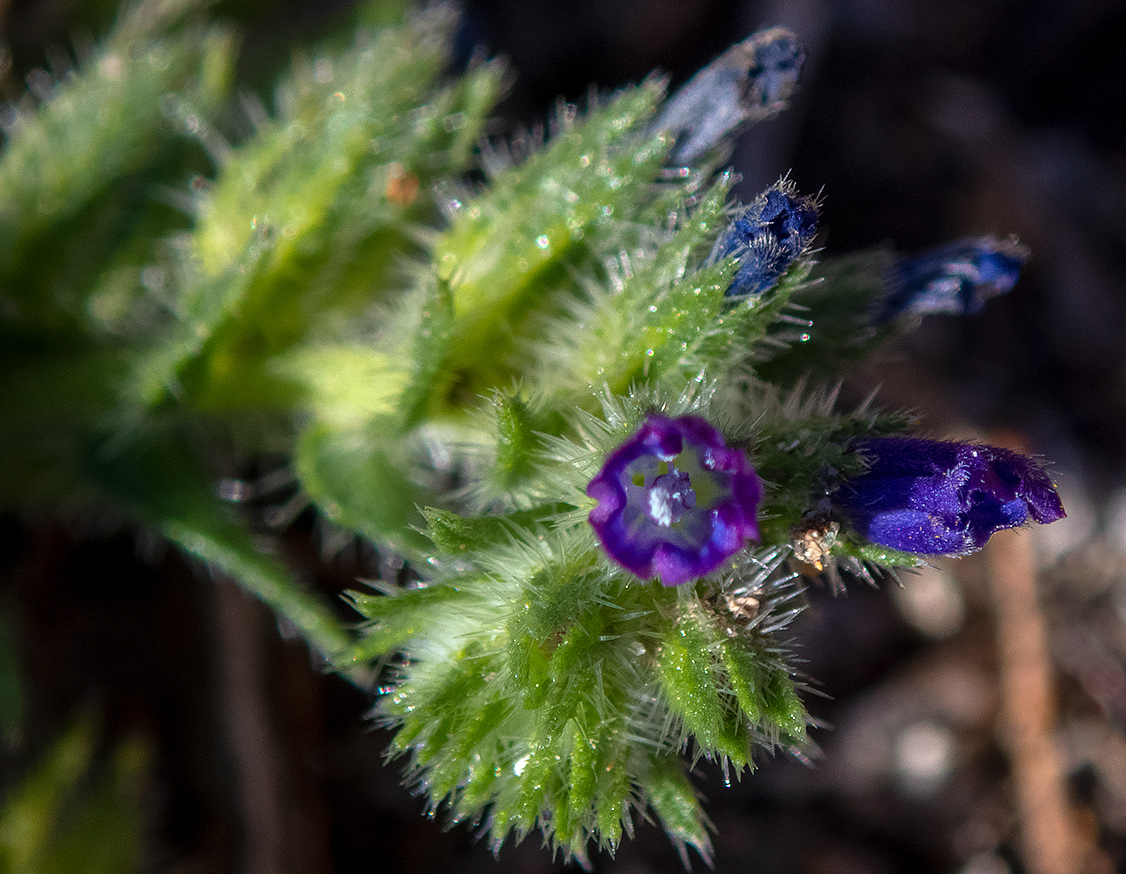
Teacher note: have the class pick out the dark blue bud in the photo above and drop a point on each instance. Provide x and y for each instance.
(767, 237)
(935, 498)
(955, 278)
(776, 68)
(751, 81)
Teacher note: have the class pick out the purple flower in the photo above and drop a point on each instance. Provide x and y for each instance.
(769, 235)
(937, 498)
(955, 278)
(674, 501)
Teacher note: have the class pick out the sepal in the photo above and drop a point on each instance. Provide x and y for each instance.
(561, 210)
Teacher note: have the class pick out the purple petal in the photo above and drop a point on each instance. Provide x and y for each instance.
(936, 498)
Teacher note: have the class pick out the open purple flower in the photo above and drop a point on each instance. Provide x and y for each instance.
(674, 501)
(936, 498)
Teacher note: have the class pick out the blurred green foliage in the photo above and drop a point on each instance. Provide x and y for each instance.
(69, 816)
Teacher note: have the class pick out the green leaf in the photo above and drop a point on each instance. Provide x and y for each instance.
(397, 618)
(677, 806)
(614, 791)
(540, 785)
(517, 441)
(690, 683)
(309, 221)
(459, 535)
(504, 248)
(345, 385)
(582, 785)
(358, 480)
(782, 706)
(231, 549)
(103, 124)
(658, 317)
(744, 673)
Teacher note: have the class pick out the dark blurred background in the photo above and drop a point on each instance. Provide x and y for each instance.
(919, 122)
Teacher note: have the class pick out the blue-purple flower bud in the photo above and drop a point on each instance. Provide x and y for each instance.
(956, 278)
(767, 237)
(674, 501)
(751, 81)
(936, 498)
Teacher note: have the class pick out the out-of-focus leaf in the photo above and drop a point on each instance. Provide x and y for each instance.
(353, 475)
(70, 817)
(156, 481)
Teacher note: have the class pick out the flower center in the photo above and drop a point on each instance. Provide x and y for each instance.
(670, 497)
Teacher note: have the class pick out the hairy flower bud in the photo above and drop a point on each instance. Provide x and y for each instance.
(767, 237)
(936, 498)
(751, 81)
(955, 278)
